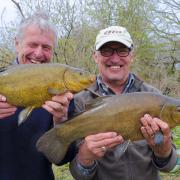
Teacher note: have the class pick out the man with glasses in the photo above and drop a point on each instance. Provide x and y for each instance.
(100, 156)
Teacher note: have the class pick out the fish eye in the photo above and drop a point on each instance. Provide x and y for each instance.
(178, 109)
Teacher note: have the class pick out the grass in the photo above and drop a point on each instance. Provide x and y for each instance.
(62, 172)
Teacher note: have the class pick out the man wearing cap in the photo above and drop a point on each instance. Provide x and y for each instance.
(100, 156)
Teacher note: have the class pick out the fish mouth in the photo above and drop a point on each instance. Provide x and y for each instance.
(88, 81)
(92, 78)
(79, 82)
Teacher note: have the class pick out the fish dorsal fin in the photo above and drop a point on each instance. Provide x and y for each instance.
(92, 104)
(96, 102)
(5, 68)
(76, 114)
(93, 92)
(24, 114)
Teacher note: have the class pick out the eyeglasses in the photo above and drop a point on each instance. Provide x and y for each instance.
(121, 52)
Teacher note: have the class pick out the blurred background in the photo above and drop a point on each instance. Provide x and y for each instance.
(154, 26)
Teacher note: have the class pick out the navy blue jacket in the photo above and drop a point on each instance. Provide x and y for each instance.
(19, 159)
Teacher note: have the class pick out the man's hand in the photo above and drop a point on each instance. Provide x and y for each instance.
(152, 125)
(6, 109)
(58, 106)
(95, 147)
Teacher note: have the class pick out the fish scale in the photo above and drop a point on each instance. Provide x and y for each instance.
(30, 85)
(119, 113)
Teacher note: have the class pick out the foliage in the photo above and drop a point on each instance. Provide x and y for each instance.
(154, 26)
(62, 172)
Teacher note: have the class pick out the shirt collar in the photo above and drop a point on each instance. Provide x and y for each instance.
(105, 90)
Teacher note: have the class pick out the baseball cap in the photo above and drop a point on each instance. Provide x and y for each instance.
(113, 33)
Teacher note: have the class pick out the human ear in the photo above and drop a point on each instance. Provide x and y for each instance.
(16, 44)
(95, 57)
(131, 57)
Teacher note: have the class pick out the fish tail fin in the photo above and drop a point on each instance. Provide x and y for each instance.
(50, 145)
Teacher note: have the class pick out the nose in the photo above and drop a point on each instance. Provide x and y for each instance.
(38, 52)
(115, 57)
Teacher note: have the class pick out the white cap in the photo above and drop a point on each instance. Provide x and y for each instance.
(113, 33)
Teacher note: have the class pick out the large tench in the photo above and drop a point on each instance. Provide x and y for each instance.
(119, 113)
(30, 85)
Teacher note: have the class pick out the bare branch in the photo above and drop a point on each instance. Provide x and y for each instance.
(19, 8)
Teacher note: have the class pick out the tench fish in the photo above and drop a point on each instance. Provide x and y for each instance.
(30, 85)
(119, 113)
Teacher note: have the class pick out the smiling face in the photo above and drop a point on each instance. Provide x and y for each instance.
(35, 46)
(114, 69)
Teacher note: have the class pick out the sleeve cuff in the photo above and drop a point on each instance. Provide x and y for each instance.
(86, 170)
(166, 164)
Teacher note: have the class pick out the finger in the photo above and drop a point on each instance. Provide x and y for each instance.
(88, 151)
(100, 151)
(144, 121)
(54, 105)
(163, 126)
(147, 120)
(149, 138)
(95, 151)
(144, 132)
(4, 105)
(2, 98)
(59, 114)
(60, 99)
(69, 95)
(2, 116)
(7, 110)
(149, 131)
(48, 108)
(119, 140)
(154, 125)
(64, 99)
(150, 124)
(55, 109)
(108, 142)
(101, 136)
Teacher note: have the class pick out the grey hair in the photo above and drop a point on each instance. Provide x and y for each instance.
(40, 20)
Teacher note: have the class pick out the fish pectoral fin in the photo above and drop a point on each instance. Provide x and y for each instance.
(96, 102)
(23, 115)
(121, 149)
(56, 91)
(93, 92)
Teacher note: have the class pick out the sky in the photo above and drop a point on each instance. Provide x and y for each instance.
(9, 11)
